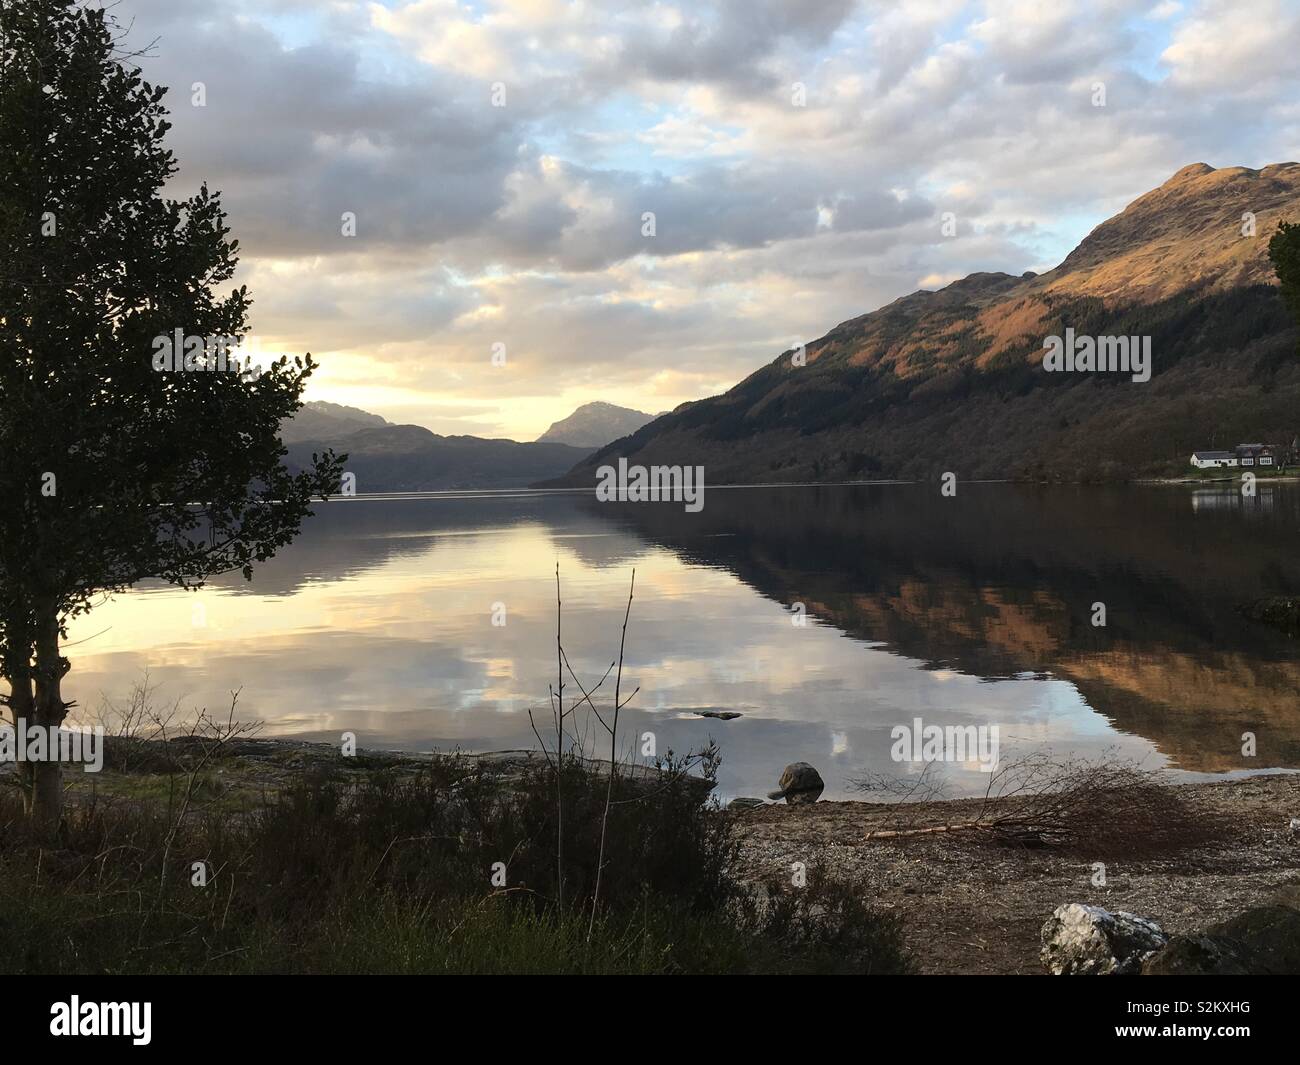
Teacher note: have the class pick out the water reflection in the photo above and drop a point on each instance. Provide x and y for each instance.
(974, 610)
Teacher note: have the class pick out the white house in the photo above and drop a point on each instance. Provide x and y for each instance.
(1209, 460)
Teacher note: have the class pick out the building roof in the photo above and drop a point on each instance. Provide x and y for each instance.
(1214, 454)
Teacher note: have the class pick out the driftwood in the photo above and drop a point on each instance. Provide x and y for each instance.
(1026, 835)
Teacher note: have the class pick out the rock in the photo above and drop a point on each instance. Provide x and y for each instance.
(721, 715)
(745, 802)
(800, 783)
(1079, 940)
(1261, 941)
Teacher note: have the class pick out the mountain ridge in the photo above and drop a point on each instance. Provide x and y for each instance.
(595, 424)
(385, 457)
(318, 419)
(930, 382)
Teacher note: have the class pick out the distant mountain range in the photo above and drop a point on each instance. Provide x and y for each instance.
(953, 380)
(594, 425)
(318, 420)
(409, 458)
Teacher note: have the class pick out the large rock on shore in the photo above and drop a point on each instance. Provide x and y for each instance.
(800, 783)
(1079, 940)
(1263, 941)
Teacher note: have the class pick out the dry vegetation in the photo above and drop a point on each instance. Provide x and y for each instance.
(973, 904)
(1103, 807)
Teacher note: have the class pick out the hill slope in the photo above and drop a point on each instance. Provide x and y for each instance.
(594, 425)
(952, 380)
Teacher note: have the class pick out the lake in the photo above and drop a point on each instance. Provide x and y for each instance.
(825, 615)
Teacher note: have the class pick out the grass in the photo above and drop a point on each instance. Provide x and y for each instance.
(391, 870)
(1233, 473)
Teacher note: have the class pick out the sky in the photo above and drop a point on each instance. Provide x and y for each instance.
(797, 160)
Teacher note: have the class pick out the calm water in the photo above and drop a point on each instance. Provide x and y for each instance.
(974, 610)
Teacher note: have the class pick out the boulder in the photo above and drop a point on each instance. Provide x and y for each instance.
(799, 783)
(1079, 940)
(1261, 941)
(745, 802)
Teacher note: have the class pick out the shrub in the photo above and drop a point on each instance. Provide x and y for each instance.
(390, 871)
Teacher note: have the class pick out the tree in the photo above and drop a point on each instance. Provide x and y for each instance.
(112, 471)
(1284, 251)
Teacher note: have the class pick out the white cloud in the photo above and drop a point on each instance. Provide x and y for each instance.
(523, 223)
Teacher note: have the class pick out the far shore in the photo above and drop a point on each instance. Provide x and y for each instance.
(549, 488)
(1290, 478)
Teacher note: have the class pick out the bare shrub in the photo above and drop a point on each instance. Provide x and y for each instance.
(1104, 807)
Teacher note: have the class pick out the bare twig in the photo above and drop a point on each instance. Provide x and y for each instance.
(1104, 806)
(613, 758)
(558, 705)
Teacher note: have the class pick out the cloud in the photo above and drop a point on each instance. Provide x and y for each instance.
(775, 217)
(1241, 49)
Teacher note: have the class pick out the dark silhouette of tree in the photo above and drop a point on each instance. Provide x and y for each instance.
(110, 470)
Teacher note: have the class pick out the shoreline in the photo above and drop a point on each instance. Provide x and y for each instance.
(549, 489)
(969, 904)
(976, 907)
(1286, 478)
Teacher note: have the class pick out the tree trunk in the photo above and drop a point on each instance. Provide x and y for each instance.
(47, 794)
(23, 705)
(50, 709)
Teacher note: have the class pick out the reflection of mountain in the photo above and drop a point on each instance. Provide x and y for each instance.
(1002, 580)
(997, 582)
(348, 537)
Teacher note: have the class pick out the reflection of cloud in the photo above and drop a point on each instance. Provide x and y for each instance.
(379, 622)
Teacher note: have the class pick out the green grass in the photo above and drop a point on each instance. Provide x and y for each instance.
(1233, 473)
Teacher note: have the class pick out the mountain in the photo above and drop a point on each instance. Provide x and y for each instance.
(318, 420)
(594, 425)
(410, 458)
(953, 380)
